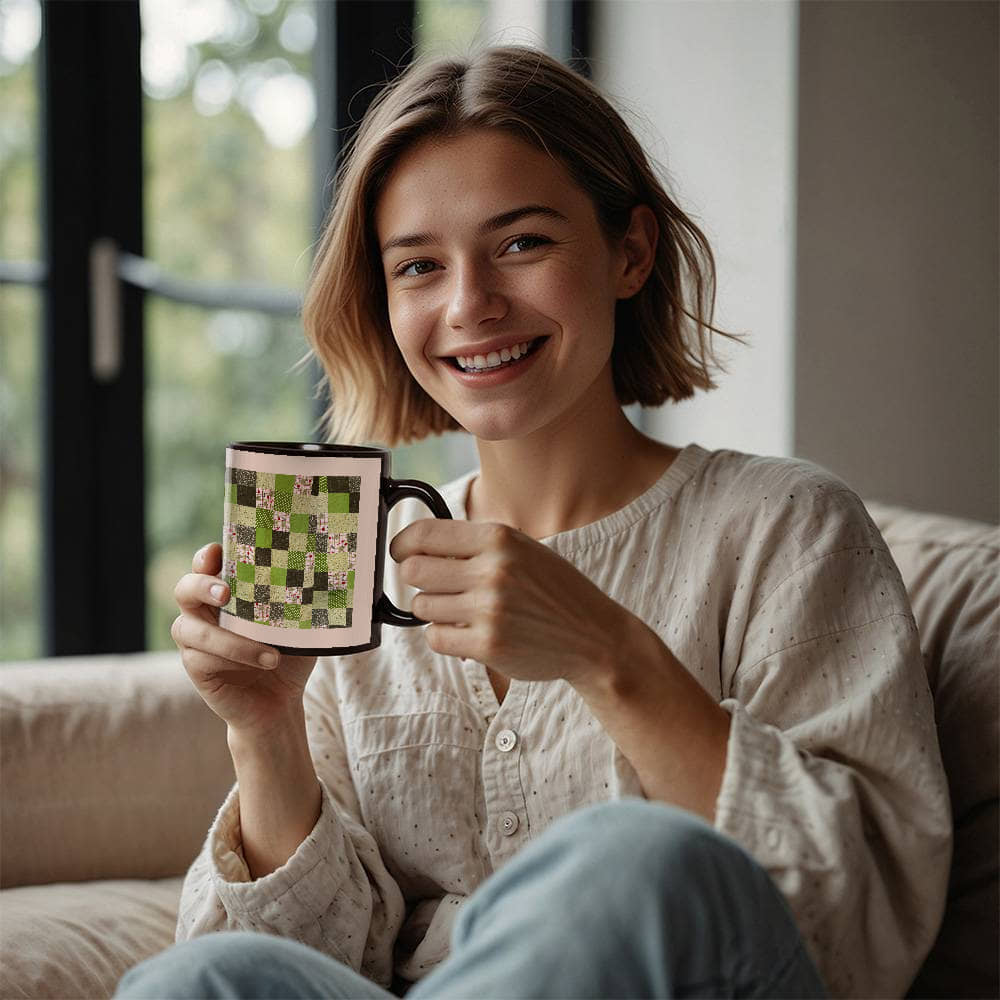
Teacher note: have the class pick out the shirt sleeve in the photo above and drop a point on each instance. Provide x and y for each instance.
(833, 777)
(334, 893)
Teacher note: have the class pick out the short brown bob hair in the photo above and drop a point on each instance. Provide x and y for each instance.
(661, 347)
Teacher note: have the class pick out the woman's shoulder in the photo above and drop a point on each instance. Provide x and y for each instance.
(787, 501)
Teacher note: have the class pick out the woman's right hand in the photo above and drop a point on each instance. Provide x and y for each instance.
(250, 685)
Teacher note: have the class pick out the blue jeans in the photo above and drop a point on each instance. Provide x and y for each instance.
(622, 899)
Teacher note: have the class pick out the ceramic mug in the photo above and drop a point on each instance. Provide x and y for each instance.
(304, 542)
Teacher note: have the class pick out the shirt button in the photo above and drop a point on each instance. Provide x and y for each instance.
(508, 823)
(506, 740)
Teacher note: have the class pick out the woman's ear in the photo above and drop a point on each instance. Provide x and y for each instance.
(639, 247)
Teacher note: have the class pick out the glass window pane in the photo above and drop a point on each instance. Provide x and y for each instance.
(229, 111)
(20, 447)
(20, 34)
(216, 377)
(20, 321)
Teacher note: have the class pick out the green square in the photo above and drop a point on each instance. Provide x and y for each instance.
(338, 503)
(278, 574)
(244, 571)
(279, 557)
(264, 518)
(293, 612)
(338, 598)
(322, 484)
(283, 501)
(263, 535)
(311, 542)
(296, 559)
(350, 579)
(284, 484)
(305, 623)
(232, 492)
(300, 522)
(345, 523)
(320, 566)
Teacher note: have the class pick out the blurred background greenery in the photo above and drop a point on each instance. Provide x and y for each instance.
(229, 105)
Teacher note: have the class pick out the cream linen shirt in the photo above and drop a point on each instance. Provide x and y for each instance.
(770, 583)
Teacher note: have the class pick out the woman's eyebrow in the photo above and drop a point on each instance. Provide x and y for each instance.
(490, 225)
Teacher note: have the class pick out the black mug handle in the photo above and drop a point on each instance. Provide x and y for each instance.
(394, 490)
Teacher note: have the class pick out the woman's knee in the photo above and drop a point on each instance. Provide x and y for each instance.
(651, 838)
(190, 968)
(228, 964)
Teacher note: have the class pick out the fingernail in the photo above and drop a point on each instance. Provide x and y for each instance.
(217, 591)
(268, 660)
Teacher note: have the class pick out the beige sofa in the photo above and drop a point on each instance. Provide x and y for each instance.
(112, 769)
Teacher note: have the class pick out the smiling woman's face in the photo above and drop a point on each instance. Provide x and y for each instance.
(487, 244)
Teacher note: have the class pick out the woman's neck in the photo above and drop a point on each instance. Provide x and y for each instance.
(571, 478)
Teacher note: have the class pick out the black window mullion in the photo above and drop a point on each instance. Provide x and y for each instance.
(94, 576)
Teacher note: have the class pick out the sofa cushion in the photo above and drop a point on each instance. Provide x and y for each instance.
(78, 939)
(951, 568)
(113, 767)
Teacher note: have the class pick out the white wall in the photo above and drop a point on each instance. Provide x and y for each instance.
(713, 85)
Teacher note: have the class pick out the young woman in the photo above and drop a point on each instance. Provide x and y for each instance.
(668, 732)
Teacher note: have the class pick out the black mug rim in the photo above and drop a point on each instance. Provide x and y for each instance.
(308, 449)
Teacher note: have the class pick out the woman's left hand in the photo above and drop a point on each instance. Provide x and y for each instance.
(493, 594)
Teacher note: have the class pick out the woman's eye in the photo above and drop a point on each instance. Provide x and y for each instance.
(414, 269)
(524, 243)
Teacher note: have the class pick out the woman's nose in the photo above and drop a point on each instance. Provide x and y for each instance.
(474, 299)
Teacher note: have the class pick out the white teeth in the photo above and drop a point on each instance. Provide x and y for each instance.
(494, 359)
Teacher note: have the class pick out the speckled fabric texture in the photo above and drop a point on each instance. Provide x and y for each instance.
(769, 581)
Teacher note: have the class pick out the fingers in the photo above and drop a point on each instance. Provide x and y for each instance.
(204, 644)
(208, 559)
(195, 591)
(440, 576)
(461, 539)
(451, 609)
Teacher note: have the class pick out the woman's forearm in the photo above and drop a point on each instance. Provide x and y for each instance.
(280, 795)
(668, 727)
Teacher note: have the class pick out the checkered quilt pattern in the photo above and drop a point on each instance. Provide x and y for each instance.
(289, 548)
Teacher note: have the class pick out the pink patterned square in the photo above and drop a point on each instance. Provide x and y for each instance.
(338, 581)
(310, 560)
(265, 498)
(322, 524)
(352, 558)
(303, 485)
(231, 533)
(282, 521)
(293, 595)
(336, 543)
(245, 553)
(262, 611)
(230, 567)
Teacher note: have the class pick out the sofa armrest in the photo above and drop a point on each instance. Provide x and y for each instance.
(113, 767)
